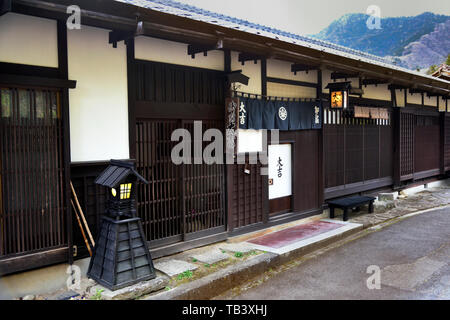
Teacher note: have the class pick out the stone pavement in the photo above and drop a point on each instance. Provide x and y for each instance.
(205, 272)
(429, 198)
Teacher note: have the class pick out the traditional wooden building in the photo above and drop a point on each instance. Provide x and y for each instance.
(72, 99)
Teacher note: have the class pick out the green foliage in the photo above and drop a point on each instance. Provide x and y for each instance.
(447, 62)
(186, 274)
(194, 260)
(238, 254)
(97, 295)
(206, 265)
(432, 69)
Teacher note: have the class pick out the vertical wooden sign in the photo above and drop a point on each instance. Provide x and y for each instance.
(231, 125)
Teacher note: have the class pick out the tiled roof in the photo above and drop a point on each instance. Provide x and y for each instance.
(192, 12)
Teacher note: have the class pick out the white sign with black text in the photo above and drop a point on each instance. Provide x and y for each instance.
(280, 171)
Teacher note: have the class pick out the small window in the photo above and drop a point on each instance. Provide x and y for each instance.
(40, 105)
(5, 103)
(24, 103)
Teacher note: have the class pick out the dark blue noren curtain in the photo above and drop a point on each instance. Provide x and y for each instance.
(255, 113)
(269, 109)
(282, 115)
(261, 114)
(305, 115)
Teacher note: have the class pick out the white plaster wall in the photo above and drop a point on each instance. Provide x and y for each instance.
(290, 91)
(429, 101)
(250, 69)
(380, 92)
(282, 69)
(99, 104)
(153, 49)
(28, 40)
(415, 98)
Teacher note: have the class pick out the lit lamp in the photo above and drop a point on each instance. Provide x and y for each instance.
(339, 94)
(121, 256)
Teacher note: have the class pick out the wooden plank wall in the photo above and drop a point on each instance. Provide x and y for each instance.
(356, 150)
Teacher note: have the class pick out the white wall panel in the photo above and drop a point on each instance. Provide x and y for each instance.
(99, 104)
(28, 40)
(152, 49)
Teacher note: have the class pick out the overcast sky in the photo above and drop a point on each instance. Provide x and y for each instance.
(311, 16)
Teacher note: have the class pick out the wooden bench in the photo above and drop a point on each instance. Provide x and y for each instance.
(349, 203)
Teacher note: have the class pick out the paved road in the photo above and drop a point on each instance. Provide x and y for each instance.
(413, 256)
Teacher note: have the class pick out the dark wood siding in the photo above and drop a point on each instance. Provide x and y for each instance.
(407, 126)
(32, 216)
(186, 200)
(160, 82)
(427, 143)
(357, 153)
(249, 193)
(447, 142)
(247, 196)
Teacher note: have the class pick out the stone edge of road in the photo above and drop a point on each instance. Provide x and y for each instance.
(223, 280)
(228, 278)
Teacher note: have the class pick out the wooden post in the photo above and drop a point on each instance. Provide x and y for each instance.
(396, 141)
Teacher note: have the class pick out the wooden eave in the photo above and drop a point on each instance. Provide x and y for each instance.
(120, 16)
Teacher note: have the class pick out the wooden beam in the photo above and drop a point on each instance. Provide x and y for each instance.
(243, 57)
(34, 260)
(13, 79)
(119, 35)
(237, 77)
(367, 82)
(292, 82)
(413, 90)
(298, 67)
(193, 49)
(342, 75)
(396, 87)
(264, 77)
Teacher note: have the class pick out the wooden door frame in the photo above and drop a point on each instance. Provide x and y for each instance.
(275, 215)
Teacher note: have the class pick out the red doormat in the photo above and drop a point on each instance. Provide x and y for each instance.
(290, 235)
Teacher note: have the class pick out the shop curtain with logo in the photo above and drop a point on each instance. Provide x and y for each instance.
(282, 115)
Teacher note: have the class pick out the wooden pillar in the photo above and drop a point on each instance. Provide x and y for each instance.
(265, 185)
(63, 72)
(321, 153)
(442, 142)
(229, 183)
(131, 83)
(396, 143)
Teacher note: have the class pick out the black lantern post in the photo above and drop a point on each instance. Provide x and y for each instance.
(121, 256)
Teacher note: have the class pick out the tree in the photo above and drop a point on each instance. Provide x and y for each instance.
(432, 69)
(447, 62)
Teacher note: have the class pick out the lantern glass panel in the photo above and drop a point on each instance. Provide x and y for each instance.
(337, 99)
(125, 191)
